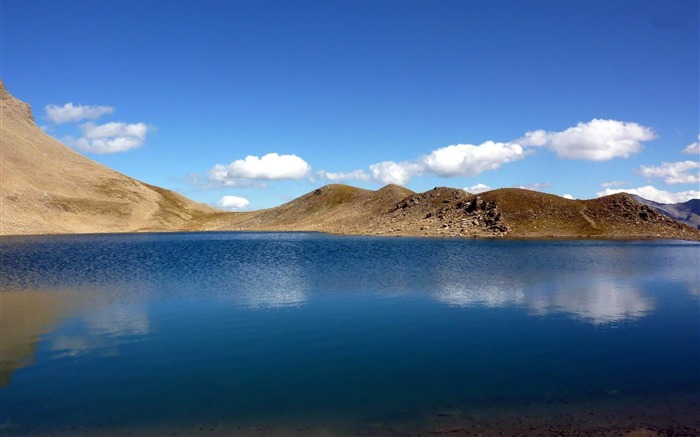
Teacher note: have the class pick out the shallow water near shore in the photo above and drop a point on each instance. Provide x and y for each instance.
(295, 331)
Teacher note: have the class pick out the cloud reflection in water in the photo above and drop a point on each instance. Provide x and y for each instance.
(595, 301)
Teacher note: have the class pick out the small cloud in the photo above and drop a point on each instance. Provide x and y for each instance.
(272, 166)
(651, 193)
(568, 196)
(693, 148)
(597, 140)
(355, 175)
(537, 186)
(233, 203)
(69, 113)
(613, 184)
(390, 172)
(476, 189)
(682, 172)
(110, 137)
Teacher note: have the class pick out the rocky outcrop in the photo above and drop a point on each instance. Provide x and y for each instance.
(450, 212)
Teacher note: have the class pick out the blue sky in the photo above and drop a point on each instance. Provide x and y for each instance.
(269, 100)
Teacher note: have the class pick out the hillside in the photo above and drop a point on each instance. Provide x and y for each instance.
(46, 187)
(451, 212)
(685, 212)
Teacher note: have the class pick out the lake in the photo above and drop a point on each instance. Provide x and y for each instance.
(303, 333)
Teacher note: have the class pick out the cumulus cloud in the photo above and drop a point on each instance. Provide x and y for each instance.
(476, 189)
(449, 161)
(568, 196)
(651, 193)
(272, 166)
(110, 137)
(597, 140)
(399, 173)
(355, 175)
(682, 172)
(471, 160)
(70, 113)
(233, 203)
(693, 148)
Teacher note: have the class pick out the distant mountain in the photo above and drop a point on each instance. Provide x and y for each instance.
(47, 187)
(686, 212)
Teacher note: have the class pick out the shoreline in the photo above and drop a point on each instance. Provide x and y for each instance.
(375, 235)
(653, 416)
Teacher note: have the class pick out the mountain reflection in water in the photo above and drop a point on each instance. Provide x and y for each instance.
(263, 325)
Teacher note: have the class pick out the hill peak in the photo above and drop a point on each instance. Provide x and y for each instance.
(13, 108)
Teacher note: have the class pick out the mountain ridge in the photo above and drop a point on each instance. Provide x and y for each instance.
(452, 212)
(685, 212)
(48, 188)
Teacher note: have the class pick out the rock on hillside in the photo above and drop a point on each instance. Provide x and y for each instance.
(47, 188)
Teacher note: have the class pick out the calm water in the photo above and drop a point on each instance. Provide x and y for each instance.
(303, 329)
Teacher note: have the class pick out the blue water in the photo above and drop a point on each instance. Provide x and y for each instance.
(297, 328)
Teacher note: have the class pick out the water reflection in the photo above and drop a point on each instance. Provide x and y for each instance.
(101, 329)
(270, 275)
(596, 301)
(495, 294)
(24, 317)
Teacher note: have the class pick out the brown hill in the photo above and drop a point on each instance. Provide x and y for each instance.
(333, 208)
(46, 187)
(451, 212)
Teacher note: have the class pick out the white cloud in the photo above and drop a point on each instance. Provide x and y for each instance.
(471, 160)
(613, 184)
(568, 196)
(356, 175)
(651, 193)
(399, 173)
(71, 113)
(597, 140)
(233, 203)
(673, 172)
(693, 148)
(476, 189)
(537, 186)
(270, 167)
(111, 137)
(449, 161)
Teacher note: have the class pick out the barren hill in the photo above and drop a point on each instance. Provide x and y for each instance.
(451, 212)
(333, 208)
(46, 187)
